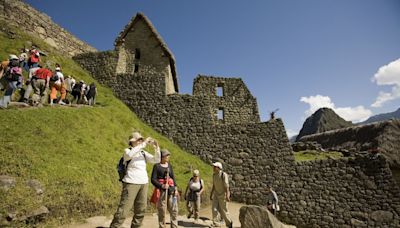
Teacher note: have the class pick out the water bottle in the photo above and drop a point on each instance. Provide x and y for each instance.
(174, 200)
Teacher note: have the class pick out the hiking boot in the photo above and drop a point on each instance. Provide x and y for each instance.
(230, 225)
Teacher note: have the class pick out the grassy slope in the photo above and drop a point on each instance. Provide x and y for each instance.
(72, 151)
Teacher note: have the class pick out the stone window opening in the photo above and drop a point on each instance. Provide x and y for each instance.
(137, 53)
(220, 90)
(136, 68)
(220, 114)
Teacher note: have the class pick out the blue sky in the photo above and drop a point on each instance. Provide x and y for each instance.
(293, 55)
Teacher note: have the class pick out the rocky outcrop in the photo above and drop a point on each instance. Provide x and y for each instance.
(259, 217)
(41, 26)
(324, 119)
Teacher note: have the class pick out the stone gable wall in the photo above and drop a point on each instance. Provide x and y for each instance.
(40, 25)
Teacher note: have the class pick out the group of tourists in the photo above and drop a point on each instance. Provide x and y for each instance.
(41, 80)
(165, 195)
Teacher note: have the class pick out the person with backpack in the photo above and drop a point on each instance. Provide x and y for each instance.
(91, 94)
(166, 190)
(57, 84)
(12, 78)
(77, 91)
(135, 180)
(220, 195)
(193, 196)
(40, 84)
(34, 57)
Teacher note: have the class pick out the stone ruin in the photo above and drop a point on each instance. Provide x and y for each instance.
(220, 121)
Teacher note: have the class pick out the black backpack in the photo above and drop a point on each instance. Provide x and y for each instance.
(122, 168)
(54, 78)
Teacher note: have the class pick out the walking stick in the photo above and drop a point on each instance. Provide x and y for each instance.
(166, 198)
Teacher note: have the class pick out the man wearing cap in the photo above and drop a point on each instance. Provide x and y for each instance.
(220, 195)
(193, 196)
(164, 181)
(57, 85)
(135, 181)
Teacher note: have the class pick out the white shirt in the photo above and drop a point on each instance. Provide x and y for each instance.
(196, 186)
(136, 172)
(60, 78)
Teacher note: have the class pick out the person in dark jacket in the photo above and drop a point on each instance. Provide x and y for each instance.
(163, 179)
(91, 94)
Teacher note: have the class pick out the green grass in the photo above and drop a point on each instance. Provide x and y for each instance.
(73, 152)
(311, 155)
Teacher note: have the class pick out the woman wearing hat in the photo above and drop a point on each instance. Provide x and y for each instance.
(10, 80)
(195, 187)
(166, 190)
(135, 182)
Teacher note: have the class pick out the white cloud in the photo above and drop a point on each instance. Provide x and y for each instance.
(290, 133)
(388, 75)
(354, 114)
(317, 102)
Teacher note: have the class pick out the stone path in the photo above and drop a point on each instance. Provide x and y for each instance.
(151, 220)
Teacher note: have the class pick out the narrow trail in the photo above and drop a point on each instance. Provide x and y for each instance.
(151, 220)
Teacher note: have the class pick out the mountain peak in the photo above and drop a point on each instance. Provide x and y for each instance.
(324, 119)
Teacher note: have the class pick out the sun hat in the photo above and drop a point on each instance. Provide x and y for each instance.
(165, 152)
(196, 172)
(135, 136)
(12, 57)
(217, 164)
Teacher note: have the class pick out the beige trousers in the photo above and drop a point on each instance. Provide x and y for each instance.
(219, 206)
(172, 209)
(133, 195)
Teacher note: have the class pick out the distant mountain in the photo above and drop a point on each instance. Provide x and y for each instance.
(324, 119)
(383, 116)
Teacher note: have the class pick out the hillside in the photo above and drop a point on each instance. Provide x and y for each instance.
(324, 119)
(383, 117)
(72, 152)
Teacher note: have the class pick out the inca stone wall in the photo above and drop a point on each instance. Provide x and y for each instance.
(344, 193)
(384, 136)
(333, 193)
(40, 25)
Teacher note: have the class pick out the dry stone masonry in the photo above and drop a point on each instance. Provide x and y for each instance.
(41, 26)
(220, 122)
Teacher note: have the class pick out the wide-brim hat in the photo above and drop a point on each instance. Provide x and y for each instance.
(196, 173)
(217, 164)
(135, 137)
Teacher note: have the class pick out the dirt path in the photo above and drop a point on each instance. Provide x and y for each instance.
(151, 220)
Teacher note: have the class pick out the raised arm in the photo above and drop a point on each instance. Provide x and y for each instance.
(157, 155)
(130, 153)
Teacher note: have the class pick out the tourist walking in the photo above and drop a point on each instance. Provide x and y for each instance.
(135, 181)
(57, 84)
(11, 79)
(40, 84)
(193, 193)
(220, 195)
(272, 200)
(164, 181)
